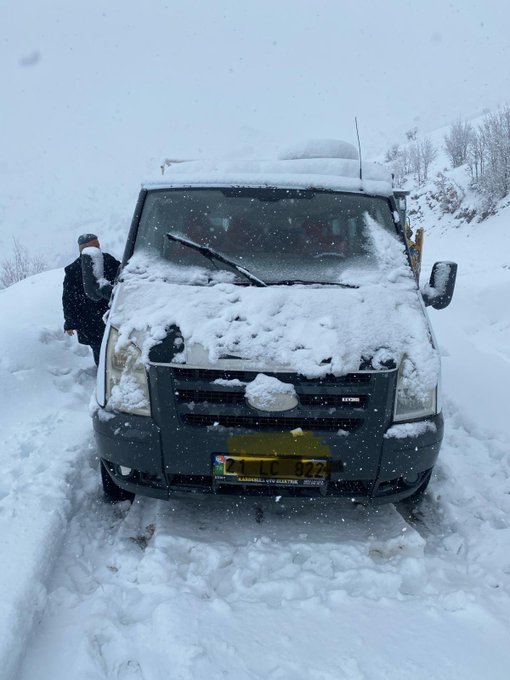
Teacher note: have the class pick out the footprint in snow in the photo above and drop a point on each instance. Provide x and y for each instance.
(59, 370)
(129, 669)
(49, 335)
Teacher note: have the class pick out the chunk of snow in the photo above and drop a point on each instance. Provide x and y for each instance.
(319, 148)
(127, 393)
(265, 389)
(229, 383)
(97, 258)
(404, 430)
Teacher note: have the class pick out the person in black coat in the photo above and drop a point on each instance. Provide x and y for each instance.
(81, 314)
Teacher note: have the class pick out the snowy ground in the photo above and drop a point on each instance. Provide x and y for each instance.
(197, 588)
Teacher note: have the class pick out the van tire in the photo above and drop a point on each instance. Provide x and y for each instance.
(112, 492)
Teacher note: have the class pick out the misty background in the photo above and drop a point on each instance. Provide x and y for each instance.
(96, 94)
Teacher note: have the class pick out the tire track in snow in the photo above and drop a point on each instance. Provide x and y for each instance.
(33, 518)
(137, 592)
(196, 588)
(46, 385)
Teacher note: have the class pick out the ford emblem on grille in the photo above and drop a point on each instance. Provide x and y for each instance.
(267, 393)
(273, 402)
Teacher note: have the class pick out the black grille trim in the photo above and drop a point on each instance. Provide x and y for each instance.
(338, 400)
(347, 401)
(214, 397)
(345, 488)
(286, 423)
(209, 375)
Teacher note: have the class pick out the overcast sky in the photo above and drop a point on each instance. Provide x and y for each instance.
(109, 88)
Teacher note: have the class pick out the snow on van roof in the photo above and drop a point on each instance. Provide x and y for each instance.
(297, 168)
(320, 148)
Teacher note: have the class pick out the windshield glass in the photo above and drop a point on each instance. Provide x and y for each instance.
(277, 234)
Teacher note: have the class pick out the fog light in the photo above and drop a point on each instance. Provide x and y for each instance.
(411, 479)
(124, 471)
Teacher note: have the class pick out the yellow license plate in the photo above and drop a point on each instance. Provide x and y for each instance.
(270, 470)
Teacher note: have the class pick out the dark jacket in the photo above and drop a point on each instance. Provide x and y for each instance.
(80, 312)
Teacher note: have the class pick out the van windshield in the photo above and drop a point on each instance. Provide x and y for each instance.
(277, 234)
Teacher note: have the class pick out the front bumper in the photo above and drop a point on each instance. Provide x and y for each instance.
(137, 443)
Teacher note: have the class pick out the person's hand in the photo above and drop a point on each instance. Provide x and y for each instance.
(70, 332)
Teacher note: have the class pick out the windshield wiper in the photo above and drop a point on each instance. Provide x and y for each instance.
(212, 255)
(291, 282)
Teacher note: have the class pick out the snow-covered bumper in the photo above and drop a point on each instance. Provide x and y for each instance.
(346, 422)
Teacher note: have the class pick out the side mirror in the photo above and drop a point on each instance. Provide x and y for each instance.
(438, 292)
(96, 287)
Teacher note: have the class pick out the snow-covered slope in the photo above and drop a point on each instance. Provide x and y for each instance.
(476, 369)
(46, 380)
(478, 320)
(197, 588)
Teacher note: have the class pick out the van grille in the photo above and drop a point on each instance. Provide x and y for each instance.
(327, 403)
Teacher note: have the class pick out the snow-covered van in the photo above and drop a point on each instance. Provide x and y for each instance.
(267, 335)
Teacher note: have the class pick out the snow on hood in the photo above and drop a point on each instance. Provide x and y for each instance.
(311, 330)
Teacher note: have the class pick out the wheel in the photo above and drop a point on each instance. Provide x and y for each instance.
(112, 492)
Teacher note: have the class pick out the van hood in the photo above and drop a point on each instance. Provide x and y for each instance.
(311, 330)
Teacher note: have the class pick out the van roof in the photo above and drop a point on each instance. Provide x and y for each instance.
(334, 174)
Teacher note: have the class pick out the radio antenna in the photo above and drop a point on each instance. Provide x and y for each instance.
(359, 150)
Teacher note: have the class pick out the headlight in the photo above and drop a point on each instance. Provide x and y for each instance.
(127, 388)
(409, 403)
